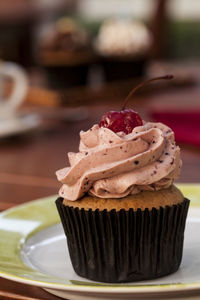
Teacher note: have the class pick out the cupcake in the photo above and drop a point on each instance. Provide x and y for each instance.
(122, 215)
(66, 54)
(123, 46)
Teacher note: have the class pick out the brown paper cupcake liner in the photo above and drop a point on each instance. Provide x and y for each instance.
(120, 69)
(124, 246)
(62, 77)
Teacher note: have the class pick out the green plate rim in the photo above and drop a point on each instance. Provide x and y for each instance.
(43, 221)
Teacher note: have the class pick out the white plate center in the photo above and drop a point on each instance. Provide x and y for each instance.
(47, 252)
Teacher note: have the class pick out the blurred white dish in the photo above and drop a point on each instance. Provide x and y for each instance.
(19, 124)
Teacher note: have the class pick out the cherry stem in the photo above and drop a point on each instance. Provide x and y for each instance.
(134, 90)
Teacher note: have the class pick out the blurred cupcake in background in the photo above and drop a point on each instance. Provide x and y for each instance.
(123, 45)
(65, 53)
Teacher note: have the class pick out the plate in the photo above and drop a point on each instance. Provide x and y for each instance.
(19, 124)
(33, 251)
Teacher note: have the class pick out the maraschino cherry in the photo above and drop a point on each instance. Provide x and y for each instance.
(126, 119)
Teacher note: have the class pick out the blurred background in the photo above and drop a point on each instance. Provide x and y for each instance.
(64, 63)
(175, 24)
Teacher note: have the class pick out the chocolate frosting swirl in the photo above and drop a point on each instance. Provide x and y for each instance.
(113, 165)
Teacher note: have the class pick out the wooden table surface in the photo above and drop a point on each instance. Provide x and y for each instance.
(28, 163)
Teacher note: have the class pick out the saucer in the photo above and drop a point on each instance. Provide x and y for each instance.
(19, 124)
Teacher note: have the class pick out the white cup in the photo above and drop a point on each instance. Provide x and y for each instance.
(9, 105)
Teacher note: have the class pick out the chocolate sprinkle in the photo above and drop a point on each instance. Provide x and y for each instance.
(160, 161)
(110, 142)
(136, 162)
(86, 153)
(166, 153)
